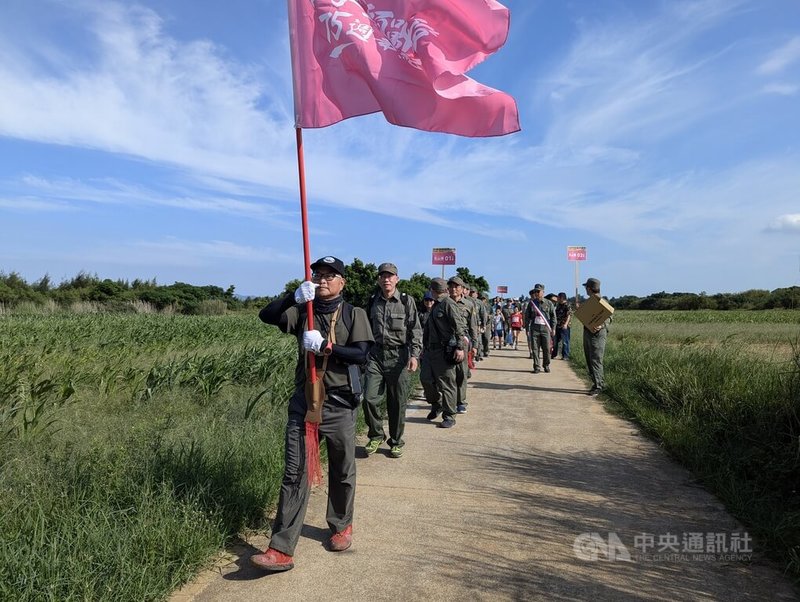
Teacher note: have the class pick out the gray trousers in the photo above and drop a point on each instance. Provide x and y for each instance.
(486, 338)
(386, 374)
(594, 348)
(338, 429)
(438, 378)
(540, 339)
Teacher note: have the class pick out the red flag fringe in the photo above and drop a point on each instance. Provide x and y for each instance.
(313, 465)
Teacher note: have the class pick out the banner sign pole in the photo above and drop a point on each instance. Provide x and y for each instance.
(576, 254)
(443, 256)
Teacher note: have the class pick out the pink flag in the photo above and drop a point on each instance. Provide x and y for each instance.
(406, 58)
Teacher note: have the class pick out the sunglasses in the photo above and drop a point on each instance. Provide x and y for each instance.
(327, 276)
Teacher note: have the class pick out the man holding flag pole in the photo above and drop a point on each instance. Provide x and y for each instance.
(340, 338)
(406, 59)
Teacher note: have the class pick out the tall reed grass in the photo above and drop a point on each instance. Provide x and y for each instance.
(732, 417)
(168, 444)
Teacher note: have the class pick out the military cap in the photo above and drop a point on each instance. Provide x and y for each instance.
(593, 284)
(456, 280)
(387, 267)
(439, 285)
(538, 287)
(334, 263)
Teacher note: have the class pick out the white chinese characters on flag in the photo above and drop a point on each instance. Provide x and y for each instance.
(406, 58)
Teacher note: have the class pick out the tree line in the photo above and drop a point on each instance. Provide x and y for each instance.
(118, 295)
(780, 298)
(361, 284)
(112, 294)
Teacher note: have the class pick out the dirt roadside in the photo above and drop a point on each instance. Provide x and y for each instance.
(518, 502)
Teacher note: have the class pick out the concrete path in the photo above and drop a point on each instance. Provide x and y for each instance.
(492, 509)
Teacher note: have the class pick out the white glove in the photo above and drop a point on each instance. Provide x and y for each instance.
(312, 341)
(305, 292)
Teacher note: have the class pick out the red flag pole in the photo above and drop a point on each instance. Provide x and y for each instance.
(313, 467)
(301, 170)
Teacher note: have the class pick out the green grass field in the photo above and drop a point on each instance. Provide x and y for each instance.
(721, 391)
(132, 447)
(769, 334)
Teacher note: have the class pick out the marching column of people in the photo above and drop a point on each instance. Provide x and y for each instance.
(380, 348)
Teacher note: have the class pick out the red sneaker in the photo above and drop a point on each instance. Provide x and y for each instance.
(342, 540)
(272, 560)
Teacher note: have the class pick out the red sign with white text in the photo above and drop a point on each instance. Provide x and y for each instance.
(502, 289)
(443, 256)
(576, 253)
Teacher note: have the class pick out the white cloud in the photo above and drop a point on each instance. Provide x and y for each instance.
(171, 252)
(786, 223)
(178, 249)
(29, 204)
(631, 82)
(137, 91)
(781, 89)
(780, 58)
(618, 94)
(72, 194)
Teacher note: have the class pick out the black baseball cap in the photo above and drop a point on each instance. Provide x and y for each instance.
(334, 263)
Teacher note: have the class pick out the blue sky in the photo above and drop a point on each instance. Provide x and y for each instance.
(155, 140)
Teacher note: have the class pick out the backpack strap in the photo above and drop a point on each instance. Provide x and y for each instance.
(408, 302)
(331, 338)
(347, 316)
(372, 298)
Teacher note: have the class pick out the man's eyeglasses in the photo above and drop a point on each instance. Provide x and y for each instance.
(327, 276)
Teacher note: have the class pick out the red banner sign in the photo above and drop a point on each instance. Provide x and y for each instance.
(576, 253)
(443, 256)
(502, 290)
